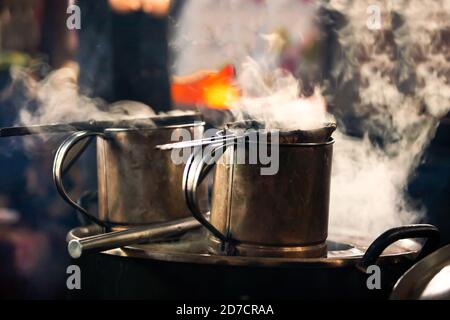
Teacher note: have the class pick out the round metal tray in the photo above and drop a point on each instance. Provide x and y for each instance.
(192, 248)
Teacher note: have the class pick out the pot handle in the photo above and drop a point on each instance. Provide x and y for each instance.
(197, 168)
(60, 167)
(428, 231)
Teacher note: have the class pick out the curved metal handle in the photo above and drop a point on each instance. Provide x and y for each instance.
(428, 231)
(59, 169)
(83, 201)
(197, 168)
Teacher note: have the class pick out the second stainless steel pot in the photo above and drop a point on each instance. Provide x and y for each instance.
(136, 183)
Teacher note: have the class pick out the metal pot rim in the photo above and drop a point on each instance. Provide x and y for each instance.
(331, 141)
(170, 127)
(308, 144)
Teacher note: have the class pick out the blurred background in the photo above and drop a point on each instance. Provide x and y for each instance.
(146, 50)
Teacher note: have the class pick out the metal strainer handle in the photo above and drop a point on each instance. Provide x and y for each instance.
(196, 169)
(60, 166)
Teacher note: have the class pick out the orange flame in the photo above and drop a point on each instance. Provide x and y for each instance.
(212, 89)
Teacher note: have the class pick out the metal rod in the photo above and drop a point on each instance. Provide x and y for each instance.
(98, 125)
(134, 235)
(68, 127)
(199, 142)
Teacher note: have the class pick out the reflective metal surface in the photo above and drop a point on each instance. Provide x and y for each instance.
(288, 210)
(133, 235)
(429, 279)
(136, 183)
(284, 214)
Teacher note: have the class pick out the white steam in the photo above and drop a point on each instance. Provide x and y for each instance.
(401, 75)
(273, 96)
(393, 82)
(58, 101)
(211, 33)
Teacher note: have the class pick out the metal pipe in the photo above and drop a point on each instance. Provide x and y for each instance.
(133, 235)
(200, 142)
(100, 125)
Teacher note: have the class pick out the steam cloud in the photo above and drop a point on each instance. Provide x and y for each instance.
(273, 95)
(211, 33)
(393, 83)
(58, 100)
(399, 76)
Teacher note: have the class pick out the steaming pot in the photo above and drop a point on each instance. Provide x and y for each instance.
(280, 215)
(136, 183)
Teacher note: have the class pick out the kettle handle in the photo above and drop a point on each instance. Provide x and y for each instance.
(428, 231)
(60, 166)
(197, 168)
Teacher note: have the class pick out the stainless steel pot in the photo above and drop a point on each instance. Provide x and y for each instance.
(136, 183)
(280, 215)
